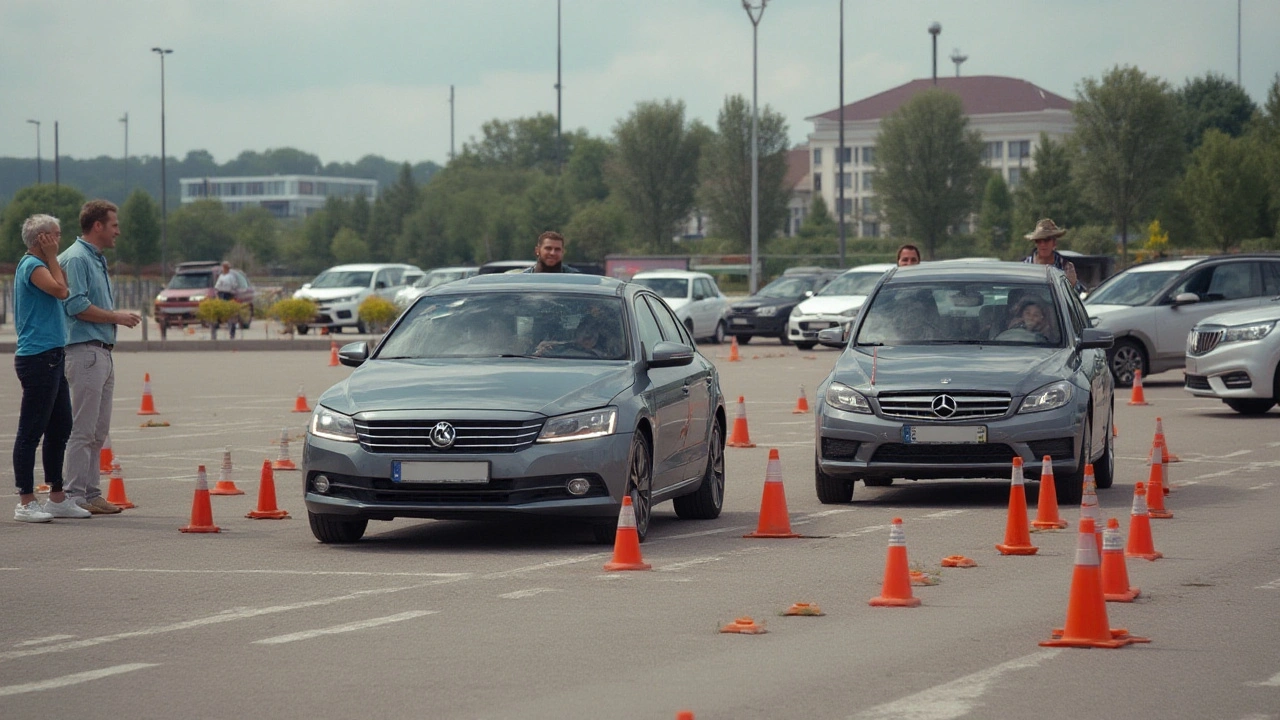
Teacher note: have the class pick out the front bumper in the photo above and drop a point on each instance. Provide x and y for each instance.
(337, 314)
(752, 324)
(1235, 370)
(806, 327)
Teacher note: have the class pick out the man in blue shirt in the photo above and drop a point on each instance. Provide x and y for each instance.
(91, 336)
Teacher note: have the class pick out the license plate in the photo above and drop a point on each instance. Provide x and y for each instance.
(740, 321)
(944, 434)
(439, 472)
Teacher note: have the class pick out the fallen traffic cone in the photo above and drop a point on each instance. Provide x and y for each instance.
(1140, 542)
(333, 354)
(1089, 507)
(1047, 502)
(1155, 492)
(1115, 574)
(803, 609)
(1138, 397)
(774, 521)
(201, 508)
(626, 542)
(1087, 624)
(740, 437)
(282, 460)
(958, 561)
(225, 485)
(802, 404)
(733, 350)
(744, 626)
(105, 456)
(267, 509)
(148, 403)
(1017, 536)
(896, 589)
(300, 404)
(684, 715)
(115, 488)
(1163, 443)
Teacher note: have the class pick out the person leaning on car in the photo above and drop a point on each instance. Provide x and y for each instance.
(1045, 236)
(550, 252)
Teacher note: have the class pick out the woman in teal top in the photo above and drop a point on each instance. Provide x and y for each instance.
(39, 286)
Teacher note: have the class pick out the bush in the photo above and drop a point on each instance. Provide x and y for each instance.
(292, 312)
(215, 311)
(378, 312)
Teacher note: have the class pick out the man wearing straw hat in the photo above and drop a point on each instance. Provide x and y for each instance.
(1045, 236)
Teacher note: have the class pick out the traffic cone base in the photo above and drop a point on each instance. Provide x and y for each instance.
(626, 543)
(740, 437)
(895, 591)
(744, 626)
(267, 509)
(804, 609)
(1047, 517)
(42, 488)
(1138, 397)
(774, 520)
(1017, 535)
(115, 489)
(225, 487)
(201, 508)
(148, 402)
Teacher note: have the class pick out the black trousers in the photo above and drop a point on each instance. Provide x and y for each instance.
(45, 415)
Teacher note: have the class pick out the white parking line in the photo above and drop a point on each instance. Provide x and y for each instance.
(349, 627)
(545, 566)
(944, 514)
(521, 594)
(954, 699)
(43, 640)
(1273, 681)
(449, 576)
(1273, 585)
(1263, 486)
(861, 531)
(74, 679)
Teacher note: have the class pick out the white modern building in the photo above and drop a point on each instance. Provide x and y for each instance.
(1009, 113)
(285, 196)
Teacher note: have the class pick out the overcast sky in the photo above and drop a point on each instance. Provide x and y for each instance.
(346, 78)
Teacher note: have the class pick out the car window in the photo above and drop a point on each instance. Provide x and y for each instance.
(650, 333)
(1130, 288)
(392, 276)
(671, 327)
(787, 287)
(1234, 281)
(342, 279)
(962, 312)
(1079, 316)
(852, 284)
(671, 288)
(1271, 279)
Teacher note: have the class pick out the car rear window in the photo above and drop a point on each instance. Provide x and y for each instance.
(671, 288)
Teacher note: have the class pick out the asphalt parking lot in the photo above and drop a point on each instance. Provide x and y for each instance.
(123, 616)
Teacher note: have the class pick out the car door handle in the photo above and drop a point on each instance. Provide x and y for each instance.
(685, 389)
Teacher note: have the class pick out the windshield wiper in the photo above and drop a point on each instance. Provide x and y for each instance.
(514, 355)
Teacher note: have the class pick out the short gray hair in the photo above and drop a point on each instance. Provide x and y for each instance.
(37, 224)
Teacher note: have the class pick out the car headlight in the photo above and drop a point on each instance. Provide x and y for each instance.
(580, 426)
(343, 299)
(767, 311)
(843, 397)
(196, 298)
(1051, 396)
(332, 425)
(1245, 333)
(851, 311)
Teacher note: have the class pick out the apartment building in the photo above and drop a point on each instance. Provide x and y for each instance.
(285, 196)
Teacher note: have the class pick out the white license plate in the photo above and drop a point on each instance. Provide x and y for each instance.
(439, 472)
(741, 321)
(944, 434)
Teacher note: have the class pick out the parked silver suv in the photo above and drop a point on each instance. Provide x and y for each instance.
(1236, 357)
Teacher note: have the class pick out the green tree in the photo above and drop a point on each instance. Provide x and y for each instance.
(1213, 101)
(523, 143)
(585, 173)
(725, 173)
(200, 231)
(1130, 143)
(598, 228)
(1048, 191)
(62, 202)
(389, 211)
(1224, 189)
(930, 167)
(655, 169)
(139, 241)
(546, 206)
(257, 234)
(819, 222)
(995, 218)
(347, 247)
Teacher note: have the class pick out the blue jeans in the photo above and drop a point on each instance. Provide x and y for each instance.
(45, 413)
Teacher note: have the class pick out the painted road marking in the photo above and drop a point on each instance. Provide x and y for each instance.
(74, 679)
(447, 576)
(545, 566)
(861, 531)
(1273, 681)
(944, 514)
(520, 594)
(1263, 486)
(43, 640)
(954, 699)
(349, 627)
(677, 566)
(1273, 585)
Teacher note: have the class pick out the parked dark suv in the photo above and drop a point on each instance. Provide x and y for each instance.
(765, 313)
(192, 282)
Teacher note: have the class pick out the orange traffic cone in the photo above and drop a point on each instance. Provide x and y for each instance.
(684, 715)
(896, 589)
(333, 354)
(115, 488)
(201, 508)
(1115, 574)
(958, 561)
(1089, 507)
(148, 403)
(267, 509)
(744, 626)
(740, 437)
(1115, 429)
(802, 405)
(1140, 542)
(1155, 492)
(300, 404)
(282, 460)
(225, 485)
(1087, 624)
(1047, 503)
(1138, 397)
(626, 543)
(774, 521)
(42, 488)
(1017, 536)
(324, 330)
(105, 456)
(1163, 443)
(733, 350)
(803, 609)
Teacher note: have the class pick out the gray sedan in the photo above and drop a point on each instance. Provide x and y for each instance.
(955, 368)
(530, 394)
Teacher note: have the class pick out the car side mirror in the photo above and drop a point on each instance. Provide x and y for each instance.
(832, 337)
(1185, 298)
(669, 354)
(354, 354)
(808, 294)
(1093, 338)
(305, 286)
(381, 285)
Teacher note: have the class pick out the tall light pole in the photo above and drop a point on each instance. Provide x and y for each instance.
(755, 13)
(934, 29)
(125, 120)
(450, 122)
(1239, 19)
(164, 186)
(559, 160)
(840, 143)
(39, 171)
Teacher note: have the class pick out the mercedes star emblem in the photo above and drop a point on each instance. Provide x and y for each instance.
(944, 406)
(443, 434)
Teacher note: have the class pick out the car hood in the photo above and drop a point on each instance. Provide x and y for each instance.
(185, 293)
(833, 305)
(676, 303)
(967, 367)
(1269, 312)
(328, 293)
(1104, 310)
(549, 387)
(753, 303)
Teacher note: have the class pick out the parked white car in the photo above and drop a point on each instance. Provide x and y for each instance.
(1235, 357)
(836, 305)
(438, 276)
(694, 297)
(339, 291)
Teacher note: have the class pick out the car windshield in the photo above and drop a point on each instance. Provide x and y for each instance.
(486, 325)
(853, 284)
(670, 288)
(191, 281)
(962, 312)
(1131, 288)
(342, 279)
(786, 287)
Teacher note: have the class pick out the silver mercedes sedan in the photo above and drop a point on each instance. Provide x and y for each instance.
(529, 394)
(956, 367)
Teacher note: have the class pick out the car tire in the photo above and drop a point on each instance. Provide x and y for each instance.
(361, 327)
(1070, 488)
(707, 501)
(804, 345)
(831, 490)
(303, 329)
(640, 482)
(721, 332)
(744, 339)
(1251, 406)
(329, 529)
(1126, 356)
(1104, 471)
(783, 338)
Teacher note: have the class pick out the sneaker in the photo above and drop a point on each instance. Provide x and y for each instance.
(99, 506)
(65, 509)
(31, 512)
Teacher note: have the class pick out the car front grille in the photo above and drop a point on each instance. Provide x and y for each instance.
(1203, 342)
(1058, 449)
(943, 453)
(1197, 382)
(920, 405)
(472, 436)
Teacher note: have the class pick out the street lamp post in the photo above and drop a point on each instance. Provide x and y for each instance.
(934, 29)
(164, 187)
(755, 12)
(39, 172)
(840, 143)
(125, 120)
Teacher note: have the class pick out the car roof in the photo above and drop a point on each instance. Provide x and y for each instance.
(453, 269)
(200, 265)
(1165, 265)
(684, 274)
(370, 266)
(529, 282)
(972, 270)
(872, 268)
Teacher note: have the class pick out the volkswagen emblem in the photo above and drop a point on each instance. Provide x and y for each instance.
(944, 406)
(443, 434)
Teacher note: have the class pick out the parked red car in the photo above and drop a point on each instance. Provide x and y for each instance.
(192, 282)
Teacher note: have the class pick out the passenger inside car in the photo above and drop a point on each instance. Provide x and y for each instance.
(1030, 318)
